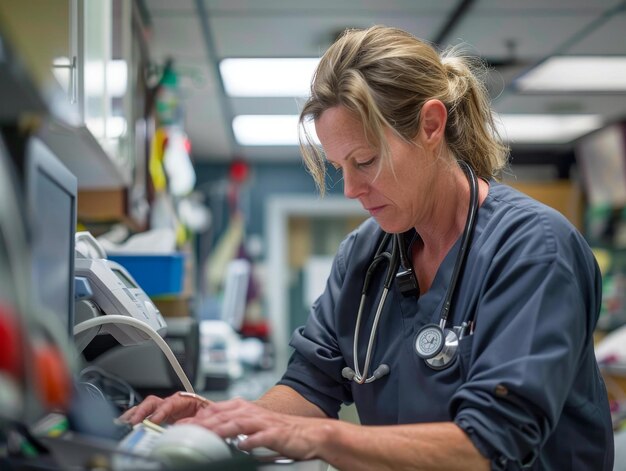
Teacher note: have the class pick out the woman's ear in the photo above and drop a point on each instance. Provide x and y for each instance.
(433, 123)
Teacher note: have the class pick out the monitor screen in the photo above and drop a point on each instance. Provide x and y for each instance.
(124, 279)
(51, 197)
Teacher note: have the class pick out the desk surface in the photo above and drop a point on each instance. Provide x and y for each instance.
(74, 453)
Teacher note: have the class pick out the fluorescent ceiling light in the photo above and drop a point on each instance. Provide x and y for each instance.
(269, 130)
(545, 128)
(268, 77)
(576, 73)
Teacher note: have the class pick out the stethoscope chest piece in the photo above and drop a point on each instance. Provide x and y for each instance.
(429, 341)
(437, 346)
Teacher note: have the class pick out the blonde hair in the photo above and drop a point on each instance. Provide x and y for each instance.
(384, 75)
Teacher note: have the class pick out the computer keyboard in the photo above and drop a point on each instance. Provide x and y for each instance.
(140, 440)
(183, 446)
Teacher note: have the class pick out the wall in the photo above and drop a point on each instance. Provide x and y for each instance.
(265, 179)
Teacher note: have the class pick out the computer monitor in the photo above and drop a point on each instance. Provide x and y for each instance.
(51, 193)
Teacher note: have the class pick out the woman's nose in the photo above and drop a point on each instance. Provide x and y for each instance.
(353, 185)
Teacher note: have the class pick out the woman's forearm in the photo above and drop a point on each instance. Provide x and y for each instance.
(287, 401)
(433, 446)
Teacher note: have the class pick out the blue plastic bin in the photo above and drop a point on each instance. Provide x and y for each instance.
(156, 274)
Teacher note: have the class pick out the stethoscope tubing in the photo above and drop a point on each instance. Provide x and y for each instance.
(472, 210)
(381, 257)
(360, 379)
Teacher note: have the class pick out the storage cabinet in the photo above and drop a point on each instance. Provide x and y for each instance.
(75, 77)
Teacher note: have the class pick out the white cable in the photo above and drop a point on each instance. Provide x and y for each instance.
(144, 327)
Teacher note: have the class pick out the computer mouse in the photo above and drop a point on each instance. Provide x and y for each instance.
(260, 453)
(187, 445)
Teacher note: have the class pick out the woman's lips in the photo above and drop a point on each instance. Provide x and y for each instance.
(374, 210)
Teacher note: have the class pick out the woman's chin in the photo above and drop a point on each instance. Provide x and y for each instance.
(390, 227)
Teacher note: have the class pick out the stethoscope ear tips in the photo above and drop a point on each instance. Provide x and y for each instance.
(381, 371)
(348, 373)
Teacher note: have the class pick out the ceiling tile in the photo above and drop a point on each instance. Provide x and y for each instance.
(301, 37)
(180, 37)
(516, 7)
(608, 38)
(612, 106)
(532, 37)
(206, 127)
(327, 7)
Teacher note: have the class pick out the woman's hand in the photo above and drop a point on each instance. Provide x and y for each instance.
(169, 410)
(291, 436)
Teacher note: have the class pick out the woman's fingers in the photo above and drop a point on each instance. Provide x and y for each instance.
(136, 414)
(160, 410)
(285, 434)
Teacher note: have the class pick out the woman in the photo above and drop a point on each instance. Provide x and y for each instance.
(481, 355)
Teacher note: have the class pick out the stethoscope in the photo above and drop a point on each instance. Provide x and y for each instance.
(434, 343)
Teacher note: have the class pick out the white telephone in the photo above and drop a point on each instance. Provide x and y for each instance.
(114, 291)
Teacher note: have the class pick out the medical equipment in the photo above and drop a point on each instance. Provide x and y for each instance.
(436, 344)
(115, 291)
(392, 266)
(130, 316)
(129, 362)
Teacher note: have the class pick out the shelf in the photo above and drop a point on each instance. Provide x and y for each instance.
(83, 155)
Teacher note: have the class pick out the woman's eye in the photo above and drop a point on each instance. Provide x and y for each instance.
(367, 163)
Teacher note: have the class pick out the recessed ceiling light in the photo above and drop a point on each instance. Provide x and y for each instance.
(545, 128)
(268, 77)
(269, 130)
(576, 73)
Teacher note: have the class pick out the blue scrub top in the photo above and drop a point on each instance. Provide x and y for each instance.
(525, 386)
